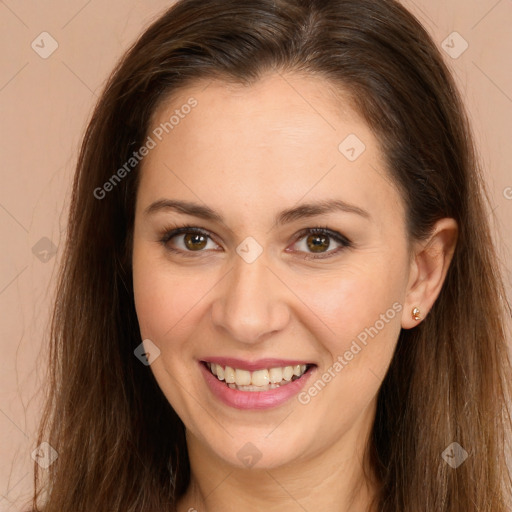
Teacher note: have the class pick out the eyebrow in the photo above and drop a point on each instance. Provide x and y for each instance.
(287, 216)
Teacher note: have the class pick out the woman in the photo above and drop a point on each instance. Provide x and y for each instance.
(279, 287)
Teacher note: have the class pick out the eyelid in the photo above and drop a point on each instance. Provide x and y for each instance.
(323, 231)
(171, 232)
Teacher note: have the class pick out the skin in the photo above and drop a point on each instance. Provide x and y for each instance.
(249, 153)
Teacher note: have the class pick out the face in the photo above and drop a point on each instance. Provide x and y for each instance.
(270, 247)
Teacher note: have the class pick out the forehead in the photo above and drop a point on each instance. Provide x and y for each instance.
(280, 139)
(277, 109)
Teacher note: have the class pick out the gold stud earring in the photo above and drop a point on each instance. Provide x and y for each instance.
(416, 313)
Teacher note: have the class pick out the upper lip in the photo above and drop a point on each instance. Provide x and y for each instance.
(258, 364)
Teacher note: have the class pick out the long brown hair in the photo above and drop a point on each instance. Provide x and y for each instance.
(121, 446)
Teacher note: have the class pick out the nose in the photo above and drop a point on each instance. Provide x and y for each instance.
(251, 303)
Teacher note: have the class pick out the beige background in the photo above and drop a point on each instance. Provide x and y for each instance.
(45, 104)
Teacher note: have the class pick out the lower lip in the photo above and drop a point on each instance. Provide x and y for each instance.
(254, 399)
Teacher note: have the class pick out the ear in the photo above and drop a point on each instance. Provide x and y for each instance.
(429, 265)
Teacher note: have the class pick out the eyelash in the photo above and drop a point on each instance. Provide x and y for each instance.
(170, 232)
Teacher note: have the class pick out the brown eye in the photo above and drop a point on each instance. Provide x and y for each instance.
(195, 241)
(317, 243)
(187, 240)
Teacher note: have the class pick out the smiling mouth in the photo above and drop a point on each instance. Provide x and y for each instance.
(259, 380)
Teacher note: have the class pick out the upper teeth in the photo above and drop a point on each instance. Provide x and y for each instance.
(258, 377)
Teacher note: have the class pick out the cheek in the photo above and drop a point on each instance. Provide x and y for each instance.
(363, 314)
(166, 301)
(168, 305)
(354, 300)
(362, 308)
